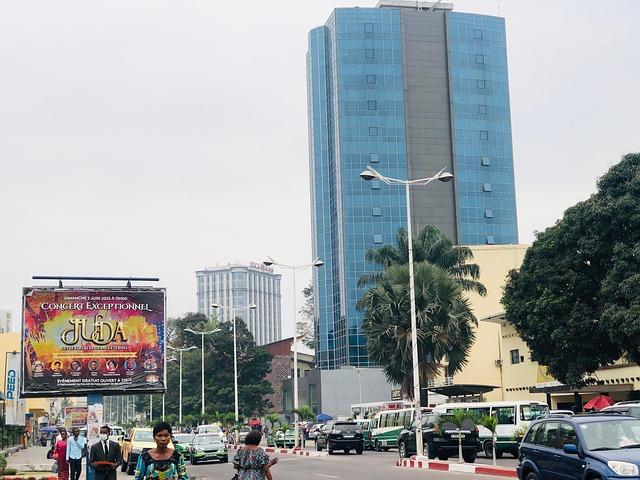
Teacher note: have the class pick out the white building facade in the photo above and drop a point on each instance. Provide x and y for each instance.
(239, 286)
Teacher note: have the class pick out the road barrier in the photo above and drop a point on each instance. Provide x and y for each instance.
(458, 467)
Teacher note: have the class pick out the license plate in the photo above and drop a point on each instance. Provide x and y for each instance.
(457, 435)
(349, 436)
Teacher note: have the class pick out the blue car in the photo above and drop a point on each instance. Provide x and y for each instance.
(581, 447)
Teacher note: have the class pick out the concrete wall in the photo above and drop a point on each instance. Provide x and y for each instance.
(494, 261)
(343, 387)
(428, 120)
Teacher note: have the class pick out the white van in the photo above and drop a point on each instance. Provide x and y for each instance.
(513, 420)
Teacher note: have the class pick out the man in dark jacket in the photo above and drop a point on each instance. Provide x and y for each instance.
(105, 456)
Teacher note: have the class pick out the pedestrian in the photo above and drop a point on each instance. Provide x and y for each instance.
(76, 446)
(105, 456)
(162, 462)
(60, 456)
(251, 461)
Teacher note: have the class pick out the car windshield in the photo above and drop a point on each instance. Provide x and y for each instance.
(533, 411)
(144, 436)
(115, 431)
(200, 439)
(611, 434)
(209, 429)
(183, 438)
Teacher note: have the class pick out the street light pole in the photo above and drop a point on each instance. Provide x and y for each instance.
(371, 174)
(316, 263)
(202, 334)
(180, 351)
(251, 306)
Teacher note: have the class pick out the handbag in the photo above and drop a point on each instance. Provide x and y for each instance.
(55, 468)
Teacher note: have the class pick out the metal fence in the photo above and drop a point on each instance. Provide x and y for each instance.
(10, 435)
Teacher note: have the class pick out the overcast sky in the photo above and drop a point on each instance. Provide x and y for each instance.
(153, 138)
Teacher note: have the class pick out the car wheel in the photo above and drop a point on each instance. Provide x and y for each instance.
(330, 451)
(532, 476)
(487, 447)
(443, 456)
(224, 459)
(376, 446)
(359, 451)
(470, 457)
(131, 468)
(402, 450)
(194, 461)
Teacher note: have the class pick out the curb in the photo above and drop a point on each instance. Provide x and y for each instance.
(289, 451)
(10, 451)
(457, 467)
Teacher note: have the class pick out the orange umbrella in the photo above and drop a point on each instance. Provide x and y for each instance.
(599, 402)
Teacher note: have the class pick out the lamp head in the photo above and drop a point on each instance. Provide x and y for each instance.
(252, 306)
(445, 177)
(318, 263)
(269, 261)
(215, 305)
(368, 175)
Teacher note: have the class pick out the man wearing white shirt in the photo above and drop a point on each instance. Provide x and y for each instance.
(75, 449)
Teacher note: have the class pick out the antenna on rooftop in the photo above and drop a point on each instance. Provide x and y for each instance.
(433, 6)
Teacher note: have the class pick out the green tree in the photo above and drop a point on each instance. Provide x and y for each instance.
(272, 418)
(304, 412)
(459, 418)
(433, 246)
(445, 324)
(491, 423)
(575, 300)
(253, 365)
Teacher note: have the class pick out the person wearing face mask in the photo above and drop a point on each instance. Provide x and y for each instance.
(105, 456)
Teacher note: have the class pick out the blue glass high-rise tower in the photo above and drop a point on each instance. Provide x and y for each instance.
(407, 89)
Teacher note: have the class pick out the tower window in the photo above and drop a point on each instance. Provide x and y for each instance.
(368, 28)
(482, 109)
(369, 53)
(374, 158)
(484, 135)
(377, 211)
(480, 59)
(377, 238)
(373, 131)
(487, 187)
(477, 33)
(375, 184)
(485, 161)
(371, 79)
(481, 84)
(491, 240)
(488, 212)
(372, 105)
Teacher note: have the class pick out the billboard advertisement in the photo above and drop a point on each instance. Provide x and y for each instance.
(14, 406)
(75, 417)
(93, 340)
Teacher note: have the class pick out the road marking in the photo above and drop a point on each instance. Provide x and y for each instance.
(327, 476)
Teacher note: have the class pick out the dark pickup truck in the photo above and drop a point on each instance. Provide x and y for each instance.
(440, 441)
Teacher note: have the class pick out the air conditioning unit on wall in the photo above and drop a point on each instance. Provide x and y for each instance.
(499, 362)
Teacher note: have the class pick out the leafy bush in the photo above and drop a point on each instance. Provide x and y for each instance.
(3, 463)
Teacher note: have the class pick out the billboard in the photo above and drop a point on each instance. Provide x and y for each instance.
(14, 406)
(75, 417)
(92, 340)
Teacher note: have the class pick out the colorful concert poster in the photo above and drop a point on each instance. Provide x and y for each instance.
(80, 341)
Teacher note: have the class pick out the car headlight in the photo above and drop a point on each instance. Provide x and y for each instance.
(623, 468)
(135, 450)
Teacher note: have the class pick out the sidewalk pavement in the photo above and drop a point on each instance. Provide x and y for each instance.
(32, 459)
(476, 469)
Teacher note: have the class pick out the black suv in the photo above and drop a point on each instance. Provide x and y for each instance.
(337, 435)
(441, 442)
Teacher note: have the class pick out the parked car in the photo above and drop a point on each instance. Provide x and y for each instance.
(340, 435)
(366, 425)
(625, 408)
(138, 440)
(271, 441)
(182, 442)
(285, 439)
(314, 430)
(594, 446)
(243, 433)
(561, 412)
(208, 446)
(440, 441)
(117, 433)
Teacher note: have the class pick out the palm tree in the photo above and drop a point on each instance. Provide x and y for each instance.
(272, 418)
(304, 412)
(433, 246)
(444, 324)
(491, 424)
(458, 418)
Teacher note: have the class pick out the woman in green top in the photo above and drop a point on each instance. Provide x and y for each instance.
(161, 463)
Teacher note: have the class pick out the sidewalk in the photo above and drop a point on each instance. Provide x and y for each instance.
(32, 459)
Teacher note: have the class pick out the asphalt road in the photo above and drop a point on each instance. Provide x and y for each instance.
(368, 466)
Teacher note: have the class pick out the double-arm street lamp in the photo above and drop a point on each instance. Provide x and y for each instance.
(251, 306)
(180, 351)
(371, 174)
(202, 334)
(316, 263)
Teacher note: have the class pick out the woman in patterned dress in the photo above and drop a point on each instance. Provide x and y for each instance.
(251, 461)
(161, 463)
(60, 454)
